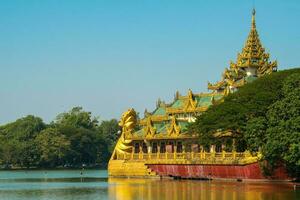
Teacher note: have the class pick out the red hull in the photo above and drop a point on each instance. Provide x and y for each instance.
(251, 171)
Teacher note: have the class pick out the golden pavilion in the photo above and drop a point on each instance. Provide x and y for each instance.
(161, 137)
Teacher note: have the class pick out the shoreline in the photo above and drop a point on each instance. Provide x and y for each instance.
(50, 169)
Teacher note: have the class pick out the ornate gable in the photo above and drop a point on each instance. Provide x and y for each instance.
(149, 129)
(173, 129)
(190, 104)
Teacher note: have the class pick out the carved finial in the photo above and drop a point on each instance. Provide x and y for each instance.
(176, 96)
(253, 26)
(146, 113)
(190, 94)
(158, 103)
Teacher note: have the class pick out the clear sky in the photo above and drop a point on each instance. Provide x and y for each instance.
(107, 56)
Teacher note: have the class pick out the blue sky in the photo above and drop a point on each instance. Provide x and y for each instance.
(107, 56)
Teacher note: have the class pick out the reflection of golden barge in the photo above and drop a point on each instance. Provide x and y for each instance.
(159, 145)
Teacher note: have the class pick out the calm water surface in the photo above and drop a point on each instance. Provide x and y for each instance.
(94, 184)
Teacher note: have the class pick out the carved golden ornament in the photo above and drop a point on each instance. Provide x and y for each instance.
(216, 86)
(173, 129)
(149, 129)
(230, 82)
(123, 146)
(128, 121)
(226, 91)
(190, 104)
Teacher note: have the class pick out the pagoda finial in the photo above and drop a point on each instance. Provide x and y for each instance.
(252, 61)
(253, 24)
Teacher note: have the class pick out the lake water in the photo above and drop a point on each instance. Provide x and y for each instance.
(94, 185)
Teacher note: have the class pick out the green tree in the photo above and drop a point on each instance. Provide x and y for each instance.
(110, 132)
(78, 118)
(86, 144)
(52, 146)
(74, 138)
(255, 133)
(21, 136)
(8, 151)
(283, 133)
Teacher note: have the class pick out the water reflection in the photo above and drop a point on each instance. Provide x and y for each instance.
(94, 185)
(127, 189)
(56, 194)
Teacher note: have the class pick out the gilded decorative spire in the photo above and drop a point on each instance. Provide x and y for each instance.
(253, 54)
(253, 24)
(252, 61)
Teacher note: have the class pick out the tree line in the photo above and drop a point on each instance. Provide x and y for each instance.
(73, 139)
(264, 116)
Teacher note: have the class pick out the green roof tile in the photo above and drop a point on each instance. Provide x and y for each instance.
(160, 111)
(162, 129)
(158, 125)
(177, 104)
(204, 101)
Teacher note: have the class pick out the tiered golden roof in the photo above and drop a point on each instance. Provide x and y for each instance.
(253, 57)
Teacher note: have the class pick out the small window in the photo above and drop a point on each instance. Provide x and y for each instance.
(136, 148)
(179, 147)
(154, 147)
(163, 147)
(145, 149)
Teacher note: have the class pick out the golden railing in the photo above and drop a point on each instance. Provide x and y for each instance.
(240, 158)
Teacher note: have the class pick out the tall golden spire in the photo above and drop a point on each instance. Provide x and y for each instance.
(253, 54)
(252, 61)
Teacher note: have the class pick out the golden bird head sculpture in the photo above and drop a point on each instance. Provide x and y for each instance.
(128, 120)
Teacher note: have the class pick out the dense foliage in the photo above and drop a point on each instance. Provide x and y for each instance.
(73, 139)
(264, 115)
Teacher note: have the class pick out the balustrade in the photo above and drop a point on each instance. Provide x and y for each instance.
(202, 157)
